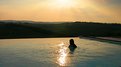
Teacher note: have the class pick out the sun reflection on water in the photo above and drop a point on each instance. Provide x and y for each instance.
(62, 54)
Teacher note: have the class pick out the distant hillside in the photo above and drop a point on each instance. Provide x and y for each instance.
(29, 29)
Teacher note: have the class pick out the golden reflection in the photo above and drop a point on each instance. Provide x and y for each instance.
(62, 54)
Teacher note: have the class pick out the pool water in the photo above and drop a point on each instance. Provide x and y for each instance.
(54, 52)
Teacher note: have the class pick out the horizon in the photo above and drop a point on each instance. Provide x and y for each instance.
(55, 22)
(61, 10)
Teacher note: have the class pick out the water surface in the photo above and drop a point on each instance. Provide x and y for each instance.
(54, 52)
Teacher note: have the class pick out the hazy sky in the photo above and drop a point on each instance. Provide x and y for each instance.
(61, 10)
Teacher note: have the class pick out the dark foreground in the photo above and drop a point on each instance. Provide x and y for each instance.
(30, 29)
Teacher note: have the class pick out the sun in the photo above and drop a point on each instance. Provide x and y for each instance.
(64, 3)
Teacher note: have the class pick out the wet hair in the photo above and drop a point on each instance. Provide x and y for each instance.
(71, 42)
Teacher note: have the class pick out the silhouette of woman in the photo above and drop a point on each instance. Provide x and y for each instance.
(72, 46)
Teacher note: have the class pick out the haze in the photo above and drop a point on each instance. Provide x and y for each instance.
(61, 10)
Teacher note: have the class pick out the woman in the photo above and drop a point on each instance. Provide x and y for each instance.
(72, 45)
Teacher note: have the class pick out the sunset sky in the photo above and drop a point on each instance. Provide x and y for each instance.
(61, 10)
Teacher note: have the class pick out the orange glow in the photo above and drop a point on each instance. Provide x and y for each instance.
(64, 3)
(58, 10)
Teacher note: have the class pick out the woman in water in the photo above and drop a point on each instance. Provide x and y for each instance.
(72, 46)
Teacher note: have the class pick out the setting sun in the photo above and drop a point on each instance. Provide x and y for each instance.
(60, 33)
(65, 3)
(61, 10)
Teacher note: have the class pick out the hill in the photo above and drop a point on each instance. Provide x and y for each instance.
(30, 29)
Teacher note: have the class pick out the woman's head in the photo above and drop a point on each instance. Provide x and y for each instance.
(71, 41)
